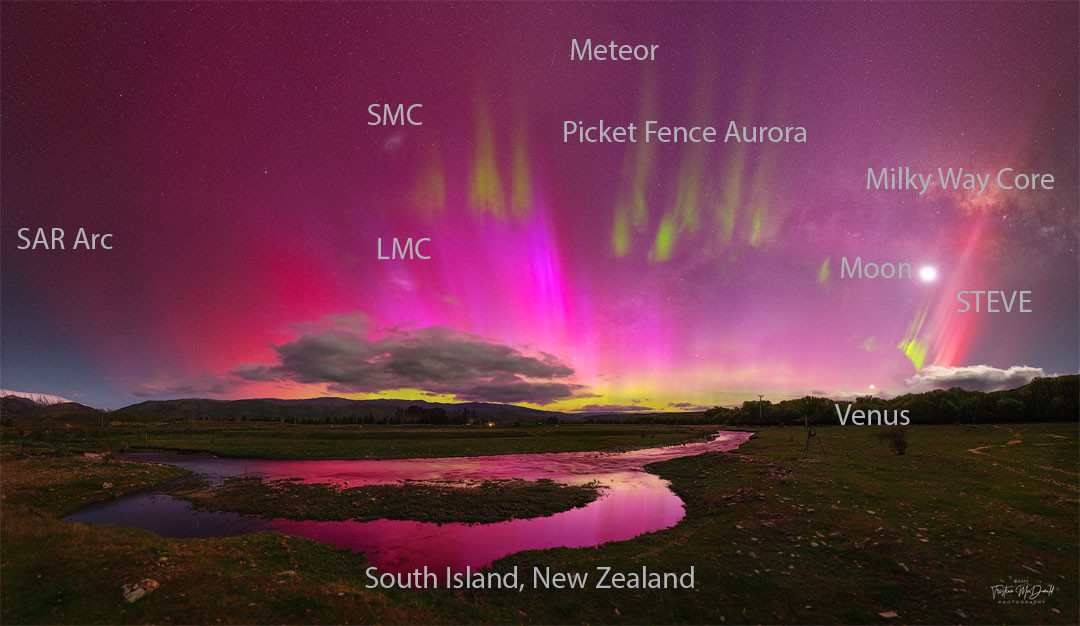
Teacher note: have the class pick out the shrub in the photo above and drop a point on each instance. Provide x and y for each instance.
(896, 438)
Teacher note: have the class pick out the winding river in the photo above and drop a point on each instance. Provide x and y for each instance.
(632, 502)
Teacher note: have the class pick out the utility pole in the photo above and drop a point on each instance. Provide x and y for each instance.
(760, 399)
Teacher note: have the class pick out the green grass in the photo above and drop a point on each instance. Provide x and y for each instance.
(484, 502)
(61, 573)
(288, 441)
(59, 485)
(769, 534)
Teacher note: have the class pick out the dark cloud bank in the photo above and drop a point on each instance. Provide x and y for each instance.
(339, 353)
(203, 385)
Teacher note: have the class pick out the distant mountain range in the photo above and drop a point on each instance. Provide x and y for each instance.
(14, 404)
(308, 409)
(344, 410)
(41, 399)
(320, 409)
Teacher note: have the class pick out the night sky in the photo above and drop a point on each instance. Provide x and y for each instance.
(227, 148)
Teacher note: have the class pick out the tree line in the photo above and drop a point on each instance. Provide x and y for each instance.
(1042, 400)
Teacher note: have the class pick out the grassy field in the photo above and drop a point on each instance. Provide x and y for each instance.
(855, 536)
(847, 537)
(288, 441)
(59, 484)
(484, 502)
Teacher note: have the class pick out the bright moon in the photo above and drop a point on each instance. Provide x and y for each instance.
(928, 273)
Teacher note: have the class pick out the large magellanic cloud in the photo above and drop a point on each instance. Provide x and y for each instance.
(973, 377)
(342, 353)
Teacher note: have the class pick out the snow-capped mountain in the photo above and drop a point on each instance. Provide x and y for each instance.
(43, 399)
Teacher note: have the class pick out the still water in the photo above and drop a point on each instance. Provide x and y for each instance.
(632, 502)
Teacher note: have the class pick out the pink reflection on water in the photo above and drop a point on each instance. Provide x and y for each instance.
(632, 502)
(636, 503)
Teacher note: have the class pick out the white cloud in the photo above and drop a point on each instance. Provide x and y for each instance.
(973, 377)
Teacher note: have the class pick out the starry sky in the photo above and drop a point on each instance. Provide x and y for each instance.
(227, 148)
